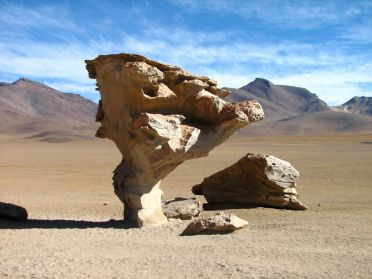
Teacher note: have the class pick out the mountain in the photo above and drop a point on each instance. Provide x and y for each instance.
(314, 123)
(357, 105)
(278, 101)
(32, 110)
(29, 109)
(272, 111)
(290, 98)
(293, 110)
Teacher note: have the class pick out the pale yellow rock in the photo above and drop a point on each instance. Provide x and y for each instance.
(256, 179)
(159, 116)
(218, 223)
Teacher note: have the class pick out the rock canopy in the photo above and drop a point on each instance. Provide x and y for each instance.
(256, 179)
(159, 116)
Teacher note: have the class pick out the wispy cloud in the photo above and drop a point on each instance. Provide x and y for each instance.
(37, 17)
(298, 14)
(331, 68)
(337, 84)
(359, 32)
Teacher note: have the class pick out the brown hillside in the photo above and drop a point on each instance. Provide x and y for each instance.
(292, 110)
(31, 109)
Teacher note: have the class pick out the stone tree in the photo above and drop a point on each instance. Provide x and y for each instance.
(159, 116)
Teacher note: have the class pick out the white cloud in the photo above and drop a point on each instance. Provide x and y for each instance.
(192, 52)
(294, 14)
(84, 89)
(336, 86)
(62, 60)
(331, 70)
(37, 17)
(360, 32)
(316, 68)
(333, 87)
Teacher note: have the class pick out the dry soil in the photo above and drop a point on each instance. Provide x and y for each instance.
(74, 228)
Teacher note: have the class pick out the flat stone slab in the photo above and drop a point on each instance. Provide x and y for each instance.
(182, 208)
(13, 212)
(219, 223)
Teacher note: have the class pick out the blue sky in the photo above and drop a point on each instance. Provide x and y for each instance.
(324, 46)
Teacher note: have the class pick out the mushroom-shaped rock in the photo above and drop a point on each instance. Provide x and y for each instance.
(219, 223)
(256, 179)
(159, 116)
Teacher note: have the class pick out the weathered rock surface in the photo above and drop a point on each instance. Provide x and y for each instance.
(13, 212)
(159, 116)
(219, 223)
(256, 179)
(181, 208)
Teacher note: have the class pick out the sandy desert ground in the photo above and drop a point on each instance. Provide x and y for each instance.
(67, 191)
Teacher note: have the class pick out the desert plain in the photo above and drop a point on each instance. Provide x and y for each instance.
(75, 229)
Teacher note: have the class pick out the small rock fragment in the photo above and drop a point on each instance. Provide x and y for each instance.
(219, 223)
(13, 212)
(181, 208)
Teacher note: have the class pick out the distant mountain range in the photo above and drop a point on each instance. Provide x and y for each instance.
(291, 110)
(357, 105)
(29, 109)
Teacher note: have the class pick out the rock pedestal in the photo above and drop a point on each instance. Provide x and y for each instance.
(159, 116)
(256, 179)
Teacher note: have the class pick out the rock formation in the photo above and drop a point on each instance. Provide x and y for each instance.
(256, 179)
(13, 212)
(180, 208)
(159, 116)
(221, 222)
(357, 105)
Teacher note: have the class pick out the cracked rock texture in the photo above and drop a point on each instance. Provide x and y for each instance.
(219, 223)
(159, 116)
(181, 208)
(256, 179)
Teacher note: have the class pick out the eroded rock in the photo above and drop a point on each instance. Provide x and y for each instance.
(159, 116)
(219, 223)
(181, 208)
(13, 212)
(256, 179)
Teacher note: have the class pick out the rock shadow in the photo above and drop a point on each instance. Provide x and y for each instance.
(65, 224)
(209, 233)
(225, 206)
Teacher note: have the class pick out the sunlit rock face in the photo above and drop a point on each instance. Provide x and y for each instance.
(255, 180)
(159, 116)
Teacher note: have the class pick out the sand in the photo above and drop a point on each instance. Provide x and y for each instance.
(67, 191)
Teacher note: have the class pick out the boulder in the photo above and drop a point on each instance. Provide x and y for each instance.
(13, 212)
(181, 208)
(158, 116)
(256, 179)
(219, 223)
